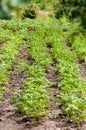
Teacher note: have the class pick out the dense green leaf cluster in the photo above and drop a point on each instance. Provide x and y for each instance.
(72, 9)
(75, 38)
(72, 85)
(8, 55)
(33, 99)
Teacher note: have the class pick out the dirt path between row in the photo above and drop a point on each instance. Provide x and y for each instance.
(83, 74)
(8, 115)
(83, 70)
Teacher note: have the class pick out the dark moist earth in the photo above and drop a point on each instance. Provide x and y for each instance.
(12, 120)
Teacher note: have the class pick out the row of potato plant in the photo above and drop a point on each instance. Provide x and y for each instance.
(72, 85)
(75, 37)
(8, 53)
(78, 44)
(33, 99)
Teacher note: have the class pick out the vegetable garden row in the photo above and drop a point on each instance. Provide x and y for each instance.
(40, 35)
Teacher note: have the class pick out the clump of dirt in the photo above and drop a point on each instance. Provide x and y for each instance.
(52, 73)
(2, 44)
(82, 66)
(41, 13)
(83, 70)
(24, 54)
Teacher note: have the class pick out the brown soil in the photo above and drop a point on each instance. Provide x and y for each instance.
(1, 45)
(83, 70)
(83, 74)
(42, 13)
(7, 121)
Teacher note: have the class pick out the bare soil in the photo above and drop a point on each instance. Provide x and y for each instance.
(83, 70)
(2, 44)
(42, 13)
(83, 74)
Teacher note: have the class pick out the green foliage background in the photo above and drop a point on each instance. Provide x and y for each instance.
(7, 6)
(73, 9)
